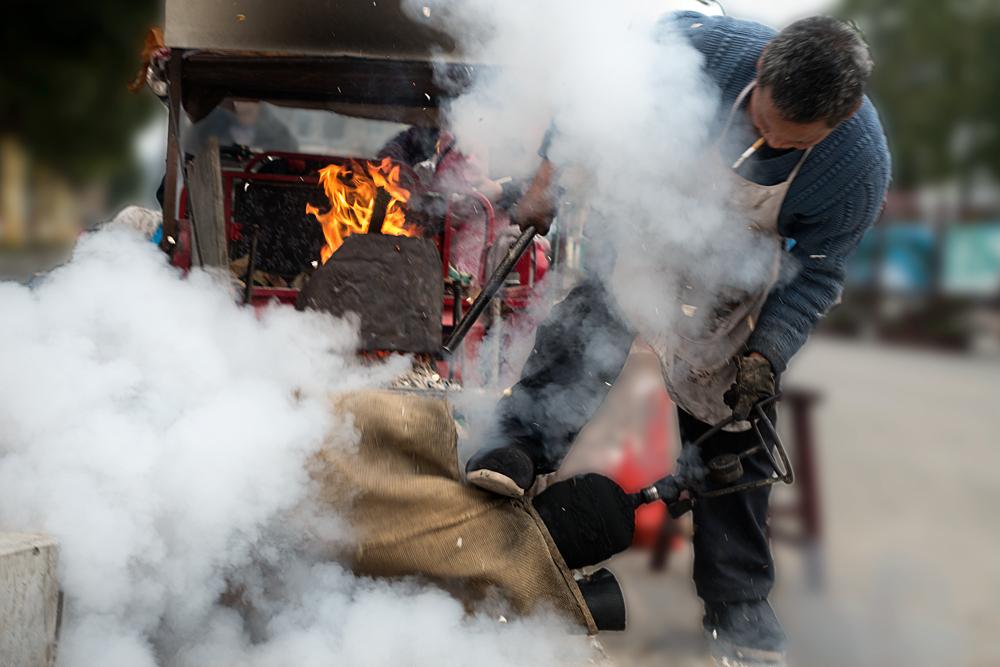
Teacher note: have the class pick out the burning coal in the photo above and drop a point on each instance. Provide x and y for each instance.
(364, 197)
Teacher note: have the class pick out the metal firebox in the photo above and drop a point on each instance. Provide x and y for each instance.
(370, 60)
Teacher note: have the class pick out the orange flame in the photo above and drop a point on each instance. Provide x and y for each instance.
(351, 189)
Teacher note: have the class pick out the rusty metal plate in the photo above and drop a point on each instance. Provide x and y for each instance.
(357, 28)
(394, 285)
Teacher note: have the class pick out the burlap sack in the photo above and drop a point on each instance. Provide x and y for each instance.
(404, 496)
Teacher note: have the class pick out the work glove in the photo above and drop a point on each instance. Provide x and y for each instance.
(501, 244)
(538, 205)
(754, 383)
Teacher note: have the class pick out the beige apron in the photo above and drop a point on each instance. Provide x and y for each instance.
(696, 352)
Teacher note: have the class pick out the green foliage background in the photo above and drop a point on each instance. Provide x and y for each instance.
(64, 65)
(936, 83)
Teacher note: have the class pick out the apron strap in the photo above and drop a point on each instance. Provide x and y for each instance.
(798, 166)
(732, 115)
(736, 105)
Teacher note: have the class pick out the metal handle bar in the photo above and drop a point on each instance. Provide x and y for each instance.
(489, 289)
(784, 473)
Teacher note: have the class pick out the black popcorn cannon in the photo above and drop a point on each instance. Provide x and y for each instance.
(603, 514)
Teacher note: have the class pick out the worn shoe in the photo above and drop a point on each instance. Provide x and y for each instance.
(507, 471)
(744, 634)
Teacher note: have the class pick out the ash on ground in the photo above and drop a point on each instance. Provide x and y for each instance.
(424, 377)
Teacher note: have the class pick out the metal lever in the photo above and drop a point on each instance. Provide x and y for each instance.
(489, 289)
(723, 468)
(251, 266)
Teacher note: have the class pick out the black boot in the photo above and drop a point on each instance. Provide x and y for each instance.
(508, 471)
(744, 634)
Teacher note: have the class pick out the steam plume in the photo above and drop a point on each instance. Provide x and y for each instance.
(160, 432)
(635, 118)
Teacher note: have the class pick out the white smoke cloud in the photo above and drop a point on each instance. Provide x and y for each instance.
(636, 119)
(634, 114)
(160, 431)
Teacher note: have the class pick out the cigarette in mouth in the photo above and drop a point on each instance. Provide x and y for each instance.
(748, 152)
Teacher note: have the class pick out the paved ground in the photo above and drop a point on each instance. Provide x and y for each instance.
(910, 466)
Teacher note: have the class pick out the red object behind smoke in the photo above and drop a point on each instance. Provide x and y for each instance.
(645, 463)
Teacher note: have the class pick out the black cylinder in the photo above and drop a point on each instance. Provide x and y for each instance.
(604, 599)
(589, 517)
(725, 468)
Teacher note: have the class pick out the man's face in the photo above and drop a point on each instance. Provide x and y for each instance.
(778, 132)
(247, 113)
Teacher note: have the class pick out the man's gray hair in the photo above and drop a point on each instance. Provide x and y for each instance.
(816, 70)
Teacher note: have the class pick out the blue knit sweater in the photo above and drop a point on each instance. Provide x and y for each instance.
(582, 346)
(835, 197)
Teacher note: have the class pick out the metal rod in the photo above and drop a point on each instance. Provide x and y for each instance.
(786, 475)
(446, 245)
(729, 420)
(456, 315)
(489, 289)
(705, 495)
(712, 431)
(248, 294)
(764, 450)
(379, 208)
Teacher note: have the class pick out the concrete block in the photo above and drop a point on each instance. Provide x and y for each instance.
(29, 600)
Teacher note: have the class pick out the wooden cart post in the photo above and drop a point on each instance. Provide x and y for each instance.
(170, 189)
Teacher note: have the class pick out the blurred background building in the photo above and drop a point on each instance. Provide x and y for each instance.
(929, 272)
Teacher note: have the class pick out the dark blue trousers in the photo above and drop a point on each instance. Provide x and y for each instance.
(732, 559)
(579, 350)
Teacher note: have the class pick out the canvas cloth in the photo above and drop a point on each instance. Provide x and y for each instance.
(404, 495)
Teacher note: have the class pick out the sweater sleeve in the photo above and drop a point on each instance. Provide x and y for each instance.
(824, 242)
